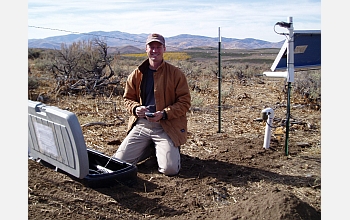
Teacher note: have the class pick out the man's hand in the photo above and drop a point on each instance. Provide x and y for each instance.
(140, 111)
(156, 116)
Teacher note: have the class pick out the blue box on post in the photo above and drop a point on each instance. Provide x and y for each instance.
(56, 140)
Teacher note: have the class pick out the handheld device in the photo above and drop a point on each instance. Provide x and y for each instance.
(149, 114)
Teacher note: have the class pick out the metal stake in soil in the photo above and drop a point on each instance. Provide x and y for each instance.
(219, 82)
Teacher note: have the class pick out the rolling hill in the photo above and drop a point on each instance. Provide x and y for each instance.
(121, 39)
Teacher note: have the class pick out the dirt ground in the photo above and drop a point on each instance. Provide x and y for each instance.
(224, 175)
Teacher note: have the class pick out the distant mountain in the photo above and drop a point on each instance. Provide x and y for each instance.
(133, 42)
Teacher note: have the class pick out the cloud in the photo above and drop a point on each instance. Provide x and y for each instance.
(237, 19)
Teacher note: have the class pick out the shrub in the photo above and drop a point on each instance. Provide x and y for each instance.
(33, 83)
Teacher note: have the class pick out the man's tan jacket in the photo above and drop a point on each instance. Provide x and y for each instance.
(171, 93)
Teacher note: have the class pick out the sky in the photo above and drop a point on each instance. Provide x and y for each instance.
(235, 18)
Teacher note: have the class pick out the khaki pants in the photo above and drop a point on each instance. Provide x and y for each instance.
(137, 147)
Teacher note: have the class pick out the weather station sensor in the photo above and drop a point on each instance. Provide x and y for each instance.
(300, 51)
(267, 116)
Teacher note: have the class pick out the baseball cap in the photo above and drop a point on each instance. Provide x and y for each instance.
(155, 37)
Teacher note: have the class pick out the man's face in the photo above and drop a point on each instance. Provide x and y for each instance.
(155, 51)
